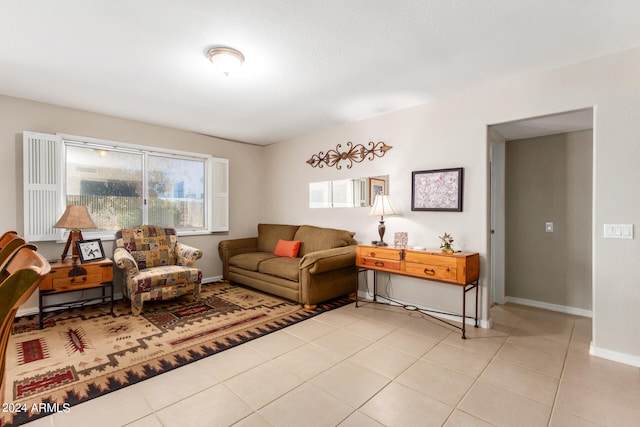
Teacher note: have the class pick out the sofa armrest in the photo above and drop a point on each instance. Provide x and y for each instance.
(187, 255)
(124, 261)
(329, 259)
(229, 248)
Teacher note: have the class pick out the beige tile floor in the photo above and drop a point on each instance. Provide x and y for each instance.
(381, 366)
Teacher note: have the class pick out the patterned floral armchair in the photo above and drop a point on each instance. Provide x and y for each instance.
(155, 265)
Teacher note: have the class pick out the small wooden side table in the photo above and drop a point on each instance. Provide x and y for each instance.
(72, 276)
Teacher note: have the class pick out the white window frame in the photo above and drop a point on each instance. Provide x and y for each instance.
(44, 169)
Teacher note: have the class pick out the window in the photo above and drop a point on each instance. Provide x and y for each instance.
(108, 182)
(176, 192)
(122, 185)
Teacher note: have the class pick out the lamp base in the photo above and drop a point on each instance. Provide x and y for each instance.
(74, 236)
(381, 230)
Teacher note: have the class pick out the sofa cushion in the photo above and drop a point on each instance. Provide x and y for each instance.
(269, 234)
(155, 277)
(288, 248)
(250, 260)
(287, 268)
(314, 239)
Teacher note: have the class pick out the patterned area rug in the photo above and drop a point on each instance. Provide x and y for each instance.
(85, 353)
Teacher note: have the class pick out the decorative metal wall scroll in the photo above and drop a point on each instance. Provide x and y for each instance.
(357, 153)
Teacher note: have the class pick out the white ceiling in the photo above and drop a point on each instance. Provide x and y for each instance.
(309, 64)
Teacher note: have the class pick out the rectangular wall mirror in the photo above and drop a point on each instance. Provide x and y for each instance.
(347, 193)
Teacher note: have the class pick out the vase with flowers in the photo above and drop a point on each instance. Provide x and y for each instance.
(446, 243)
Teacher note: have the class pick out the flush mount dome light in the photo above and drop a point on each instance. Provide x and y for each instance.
(225, 59)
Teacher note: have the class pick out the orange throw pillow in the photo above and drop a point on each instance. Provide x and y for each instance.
(288, 248)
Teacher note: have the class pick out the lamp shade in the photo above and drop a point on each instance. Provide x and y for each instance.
(382, 206)
(75, 217)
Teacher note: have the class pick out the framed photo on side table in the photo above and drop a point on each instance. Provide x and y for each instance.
(90, 250)
(437, 190)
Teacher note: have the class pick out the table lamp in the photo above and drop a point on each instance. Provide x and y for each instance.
(382, 206)
(74, 218)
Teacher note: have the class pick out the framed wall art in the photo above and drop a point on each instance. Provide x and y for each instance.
(437, 190)
(376, 186)
(90, 250)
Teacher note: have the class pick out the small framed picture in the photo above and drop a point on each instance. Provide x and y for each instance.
(90, 250)
(376, 186)
(400, 239)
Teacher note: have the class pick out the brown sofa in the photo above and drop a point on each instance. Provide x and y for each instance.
(325, 267)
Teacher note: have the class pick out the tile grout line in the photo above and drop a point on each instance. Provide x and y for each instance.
(457, 407)
(564, 364)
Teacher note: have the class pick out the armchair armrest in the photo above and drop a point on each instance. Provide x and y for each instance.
(187, 255)
(329, 259)
(124, 261)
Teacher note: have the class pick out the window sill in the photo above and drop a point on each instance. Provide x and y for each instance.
(110, 236)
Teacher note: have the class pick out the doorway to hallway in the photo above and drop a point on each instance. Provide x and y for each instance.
(541, 206)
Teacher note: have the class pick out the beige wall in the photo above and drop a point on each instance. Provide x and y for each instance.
(452, 132)
(549, 179)
(245, 168)
(447, 133)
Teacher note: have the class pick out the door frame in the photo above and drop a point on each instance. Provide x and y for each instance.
(497, 164)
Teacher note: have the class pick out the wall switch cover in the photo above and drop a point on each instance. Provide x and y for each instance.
(618, 231)
(548, 227)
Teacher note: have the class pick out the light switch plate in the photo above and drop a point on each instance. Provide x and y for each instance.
(548, 227)
(618, 231)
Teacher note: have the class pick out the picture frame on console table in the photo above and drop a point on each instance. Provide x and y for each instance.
(90, 250)
(437, 190)
(400, 239)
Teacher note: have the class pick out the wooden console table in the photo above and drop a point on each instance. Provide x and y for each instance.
(461, 269)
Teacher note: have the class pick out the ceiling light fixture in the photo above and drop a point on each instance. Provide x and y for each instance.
(225, 59)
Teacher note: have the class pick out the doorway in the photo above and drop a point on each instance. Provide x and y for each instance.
(541, 228)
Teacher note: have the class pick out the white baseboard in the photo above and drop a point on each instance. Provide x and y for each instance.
(484, 324)
(548, 306)
(614, 356)
(117, 296)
